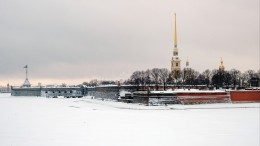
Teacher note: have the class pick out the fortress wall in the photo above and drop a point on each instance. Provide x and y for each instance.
(245, 96)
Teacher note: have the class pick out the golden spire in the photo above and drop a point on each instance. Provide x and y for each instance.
(175, 32)
(175, 49)
(176, 62)
(221, 67)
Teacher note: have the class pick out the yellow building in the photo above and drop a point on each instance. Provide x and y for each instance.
(175, 62)
(221, 66)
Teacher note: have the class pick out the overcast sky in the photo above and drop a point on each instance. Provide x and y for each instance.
(71, 41)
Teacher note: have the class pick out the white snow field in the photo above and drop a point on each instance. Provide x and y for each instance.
(40, 121)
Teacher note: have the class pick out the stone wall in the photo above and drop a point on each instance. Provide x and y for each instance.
(91, 91)
(26, 92)
(49, 92)
(203, 97)
(110, 92)
(107, 92)
(150, 98)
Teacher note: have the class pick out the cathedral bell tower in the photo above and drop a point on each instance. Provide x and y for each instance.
(176, 62)
(221, 66)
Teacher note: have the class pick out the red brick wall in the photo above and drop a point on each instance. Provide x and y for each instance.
(246, 96)
(203, 97)
(200, 93)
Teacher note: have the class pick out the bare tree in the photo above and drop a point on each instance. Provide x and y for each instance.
(142, 78)
(246, 76)
(107, 82)
(155, 76)
(164, 74)
(221, 79)
(201, 80)
(250, 72)
(235, 76)
(178, 77)
(93, 82)
(85, 83)
(191, 79)
(213, 72)
(207, 74)
(185, 74)
(136, 78)
(147, 77)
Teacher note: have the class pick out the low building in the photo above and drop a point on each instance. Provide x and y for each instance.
(6, 89)
(49, 91)
(18, 91)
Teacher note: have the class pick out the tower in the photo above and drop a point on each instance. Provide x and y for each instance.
(26, 82)
(221, 66)
(176, 62)
(187, 71)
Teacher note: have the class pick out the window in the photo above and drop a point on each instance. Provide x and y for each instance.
(177, 64)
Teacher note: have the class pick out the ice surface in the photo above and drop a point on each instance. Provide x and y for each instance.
(39, 121)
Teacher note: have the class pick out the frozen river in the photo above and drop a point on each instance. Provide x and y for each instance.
(39, 121)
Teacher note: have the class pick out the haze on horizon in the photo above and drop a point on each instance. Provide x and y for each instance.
(72, 41)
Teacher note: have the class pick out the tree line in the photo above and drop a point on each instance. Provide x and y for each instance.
(211, 78)
(188, 76)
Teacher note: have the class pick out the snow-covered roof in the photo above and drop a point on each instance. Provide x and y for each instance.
(109, 85)
(184, 91)
(162, 91)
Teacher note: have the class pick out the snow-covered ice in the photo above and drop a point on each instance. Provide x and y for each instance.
(39, 121)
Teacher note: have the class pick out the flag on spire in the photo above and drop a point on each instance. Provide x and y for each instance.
(25, 66)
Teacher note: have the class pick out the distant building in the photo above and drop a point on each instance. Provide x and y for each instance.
(49, 91)
(25, 91)
(26, 83)
(221, 66)
(176, 62)
(5, 89)
(54, 91)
